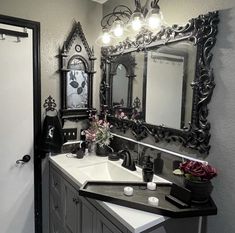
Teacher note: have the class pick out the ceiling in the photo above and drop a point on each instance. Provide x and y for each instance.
(100, 1)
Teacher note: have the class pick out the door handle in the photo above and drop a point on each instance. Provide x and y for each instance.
(25, 159)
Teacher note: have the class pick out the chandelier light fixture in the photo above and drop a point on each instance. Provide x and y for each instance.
(123, 24)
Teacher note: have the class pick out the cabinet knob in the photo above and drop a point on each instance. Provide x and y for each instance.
(76, 200)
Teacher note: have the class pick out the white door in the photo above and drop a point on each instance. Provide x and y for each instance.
(16, 133)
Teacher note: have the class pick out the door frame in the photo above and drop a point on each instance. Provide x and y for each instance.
(35, 26)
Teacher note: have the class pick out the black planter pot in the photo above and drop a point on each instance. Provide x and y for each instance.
(102, 150)
(201, 190)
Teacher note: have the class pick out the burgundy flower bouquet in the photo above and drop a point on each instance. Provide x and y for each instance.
(197, 171)
(198, 180)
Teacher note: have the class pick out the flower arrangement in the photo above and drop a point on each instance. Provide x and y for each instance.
(197, 171)
(99, 131)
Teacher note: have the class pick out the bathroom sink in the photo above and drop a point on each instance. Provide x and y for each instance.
(108, 171)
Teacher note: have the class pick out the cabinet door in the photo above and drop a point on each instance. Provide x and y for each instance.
(88, 217)
(71, 208)
(55, 204)
(55, 224)
(105, 226)
(55, 181)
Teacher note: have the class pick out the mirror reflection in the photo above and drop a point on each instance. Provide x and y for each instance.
(170, 71)
(120, 87)
(137, 96)
(127, 79)
(160, 91)
(77, 85)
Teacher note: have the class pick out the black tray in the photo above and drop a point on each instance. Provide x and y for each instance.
(113, 192)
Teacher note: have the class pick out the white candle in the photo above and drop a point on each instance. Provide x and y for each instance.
(151, 186)
(128, 191)
(153, 201)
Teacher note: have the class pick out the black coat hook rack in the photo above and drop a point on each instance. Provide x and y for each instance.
(49, 104)
(13, 33)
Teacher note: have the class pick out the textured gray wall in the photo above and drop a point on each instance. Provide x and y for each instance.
(56, 18)
(222, 106)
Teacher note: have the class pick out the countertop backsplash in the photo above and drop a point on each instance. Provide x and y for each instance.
(138, 151)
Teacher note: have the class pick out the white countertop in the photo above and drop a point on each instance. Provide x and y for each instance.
(134, 220)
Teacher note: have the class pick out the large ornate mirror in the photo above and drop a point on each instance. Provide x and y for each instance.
(172, 83)
(77, 69)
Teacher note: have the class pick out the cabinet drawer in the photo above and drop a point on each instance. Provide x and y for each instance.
(55, 181)
(56, 225)
(55, 204)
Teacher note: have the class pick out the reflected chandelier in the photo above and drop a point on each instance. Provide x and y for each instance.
(122, 23)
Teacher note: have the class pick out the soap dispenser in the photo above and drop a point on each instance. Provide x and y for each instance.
(147, 163)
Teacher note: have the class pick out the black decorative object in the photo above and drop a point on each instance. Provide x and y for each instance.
(158, 164)
(77, 70)
(137, 103)
(202, 32)
(147, 173)
(179, 196)
(49, 104)
(52, 137)
(113, 192)
(102, 151)
(201, 190)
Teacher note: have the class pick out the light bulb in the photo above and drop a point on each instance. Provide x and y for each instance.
(106, 39)
(136, 21)
(154, 20)
(118, 28)
(136, 24)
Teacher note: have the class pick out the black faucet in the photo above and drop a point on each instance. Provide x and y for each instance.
(128, 162)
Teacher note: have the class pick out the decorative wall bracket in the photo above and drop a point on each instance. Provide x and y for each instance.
(49, 104)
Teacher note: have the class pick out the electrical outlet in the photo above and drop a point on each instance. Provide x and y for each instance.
(70, 133)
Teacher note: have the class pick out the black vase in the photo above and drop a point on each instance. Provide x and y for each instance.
(147, 174)
(102, 150)
(201, 190)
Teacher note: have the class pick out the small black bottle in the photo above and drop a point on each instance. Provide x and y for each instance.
(158, 164)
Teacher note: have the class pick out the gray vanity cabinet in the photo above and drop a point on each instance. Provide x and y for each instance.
(56, 205)
(88, 217)
(71, 204)
(64, 205)
(105, 226)
(71, 213)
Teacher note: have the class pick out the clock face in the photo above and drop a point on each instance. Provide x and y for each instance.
(78, 48)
